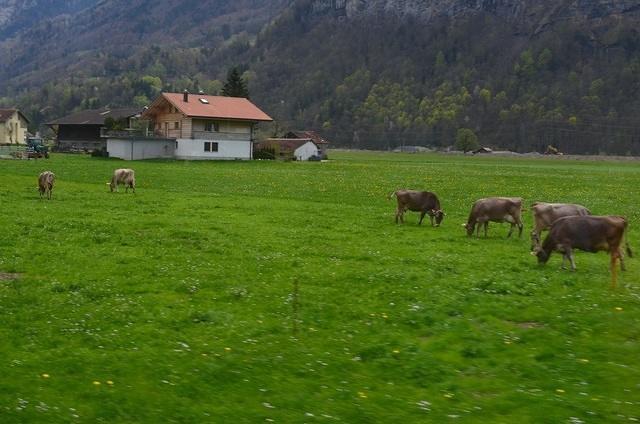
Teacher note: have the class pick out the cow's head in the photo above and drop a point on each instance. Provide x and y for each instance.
(540, 253)
(438, 215)
(469, 228)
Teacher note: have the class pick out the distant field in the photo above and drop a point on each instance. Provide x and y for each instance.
(248, 292)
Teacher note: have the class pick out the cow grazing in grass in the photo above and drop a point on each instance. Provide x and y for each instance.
(545, 214)
(424, 202)
(588, 233)
(123, 176)
(45, 183)
(495, 209)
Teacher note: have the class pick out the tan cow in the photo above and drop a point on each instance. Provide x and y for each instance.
(123, 176)
(588, 233)
(495, 209)
(545, 214)
(424, 202)
(45, 183)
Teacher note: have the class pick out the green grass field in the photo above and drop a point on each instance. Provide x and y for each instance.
(248, 292)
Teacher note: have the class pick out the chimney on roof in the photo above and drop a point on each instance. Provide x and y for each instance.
(201, 92)
(185, 96)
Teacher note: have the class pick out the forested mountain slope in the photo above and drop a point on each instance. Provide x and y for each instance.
(377, 73)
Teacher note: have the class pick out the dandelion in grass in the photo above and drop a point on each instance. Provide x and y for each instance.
(45, 376)
(96, 383)
(583, 360)
(559, 391)
(618, 308)
(396, 351)
(110, 383)
(227, 349)
(362, 395)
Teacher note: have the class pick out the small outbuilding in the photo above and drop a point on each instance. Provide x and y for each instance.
(289, 148)
(321, 143)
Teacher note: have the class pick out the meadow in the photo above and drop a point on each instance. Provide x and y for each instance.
(246, 292)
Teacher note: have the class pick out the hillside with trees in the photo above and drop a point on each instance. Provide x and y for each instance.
(518, 75)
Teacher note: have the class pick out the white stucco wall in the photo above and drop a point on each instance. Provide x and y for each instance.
(140, 149)
(305, 151)
(194, 149)
(14, 130)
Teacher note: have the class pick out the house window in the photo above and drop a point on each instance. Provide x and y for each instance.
(210, 146)
(212, 126)
(176, 125)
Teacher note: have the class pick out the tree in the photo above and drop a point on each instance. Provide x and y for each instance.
(466, 140)
(235, 85)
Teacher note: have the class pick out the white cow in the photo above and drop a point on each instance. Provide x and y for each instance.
(123, 176)
(45, 183)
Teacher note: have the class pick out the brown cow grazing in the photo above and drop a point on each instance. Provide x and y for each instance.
(495, 209)
(588, 233)
(424, 202)
(123, 176)
(544, 214)
(45, 183)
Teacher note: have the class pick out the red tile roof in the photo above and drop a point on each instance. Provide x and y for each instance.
(217, 107)
(285, 144)
(317, 138)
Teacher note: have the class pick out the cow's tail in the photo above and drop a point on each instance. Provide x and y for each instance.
(393, 193)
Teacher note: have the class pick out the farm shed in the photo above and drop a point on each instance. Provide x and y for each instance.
(206, 127)
(321, 143)
(85, 130)
(290, 148)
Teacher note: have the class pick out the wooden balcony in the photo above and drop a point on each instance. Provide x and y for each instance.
(220, 136)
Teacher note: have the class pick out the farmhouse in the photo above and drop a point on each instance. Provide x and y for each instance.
(13, 127)
(85, 130)
(321, 143)
(289, 148)
(203, 127)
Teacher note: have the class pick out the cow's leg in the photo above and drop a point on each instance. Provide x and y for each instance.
(510, 230)
(614, 271)
(570, 256)
(422, 214)
(486, 227)
(621, 257)
(431, 218)
(401, 213)
(520, 228)
(535, 240)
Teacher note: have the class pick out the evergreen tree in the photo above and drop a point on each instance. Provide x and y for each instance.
(235, 85)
